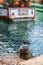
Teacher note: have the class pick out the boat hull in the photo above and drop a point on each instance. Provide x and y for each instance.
(37, 7)
(19, 14)
(4, 13)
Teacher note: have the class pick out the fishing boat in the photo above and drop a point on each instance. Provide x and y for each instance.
(38, 7)
(4, 13)
(17, 13)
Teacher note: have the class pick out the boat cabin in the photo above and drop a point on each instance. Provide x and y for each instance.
(17, 10)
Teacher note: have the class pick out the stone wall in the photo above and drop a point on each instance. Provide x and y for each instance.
(15, 60)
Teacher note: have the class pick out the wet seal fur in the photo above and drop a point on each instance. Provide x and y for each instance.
(25, 53)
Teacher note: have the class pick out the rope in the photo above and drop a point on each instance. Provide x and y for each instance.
(41, 35)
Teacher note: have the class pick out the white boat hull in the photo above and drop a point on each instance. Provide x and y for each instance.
(20, 14)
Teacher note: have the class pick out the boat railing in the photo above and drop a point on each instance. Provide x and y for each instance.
(37, 4)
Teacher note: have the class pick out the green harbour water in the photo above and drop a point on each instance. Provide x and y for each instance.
(23, 30)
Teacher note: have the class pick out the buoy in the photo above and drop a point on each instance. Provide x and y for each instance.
(22, 5)
(29, 4)
(16, 3)
(17, 0)
(36, 1)
(1, 1)
(7, 5)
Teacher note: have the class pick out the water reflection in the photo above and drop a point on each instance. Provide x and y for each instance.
(25, 30)
(19, 29)
(4, 25)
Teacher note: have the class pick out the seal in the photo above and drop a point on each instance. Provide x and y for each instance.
(25, 53)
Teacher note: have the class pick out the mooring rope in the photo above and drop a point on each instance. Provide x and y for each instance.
(37, 33)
